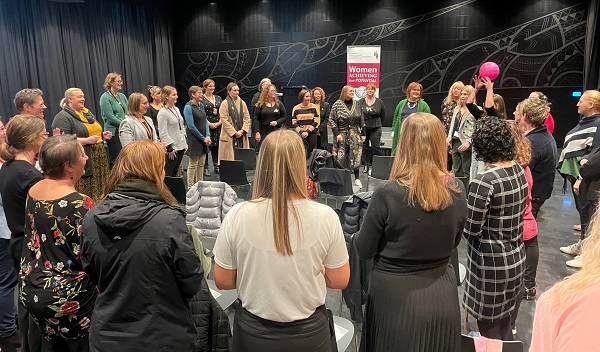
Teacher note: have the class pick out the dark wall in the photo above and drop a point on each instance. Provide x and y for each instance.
(538, 45)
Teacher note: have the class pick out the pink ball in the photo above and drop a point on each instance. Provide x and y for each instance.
(489, 69)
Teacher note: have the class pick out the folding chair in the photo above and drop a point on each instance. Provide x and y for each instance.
(233, 172)
(344, 333)
(336, 183)
(382, 166)
(247, 155)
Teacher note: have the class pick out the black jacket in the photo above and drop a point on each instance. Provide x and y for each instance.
(544, 158)
(212, 324)
(355, 294)
(590, 172)
(141, 256)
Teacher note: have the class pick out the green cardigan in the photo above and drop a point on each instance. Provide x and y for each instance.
(397, 123)
(113, 110)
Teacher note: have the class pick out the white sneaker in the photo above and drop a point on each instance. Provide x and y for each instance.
(514, 331)
(572, 249)
(576, 263)
(358, 183)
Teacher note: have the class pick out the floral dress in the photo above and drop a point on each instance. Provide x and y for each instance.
(57, 292)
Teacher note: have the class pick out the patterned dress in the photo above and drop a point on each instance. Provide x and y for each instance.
(350, 124)
(447, 112)
(494, 232)
(57, 292)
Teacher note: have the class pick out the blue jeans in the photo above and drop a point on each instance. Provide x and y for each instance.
(8, 283)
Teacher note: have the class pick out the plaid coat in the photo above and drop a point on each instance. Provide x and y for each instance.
(494, 231)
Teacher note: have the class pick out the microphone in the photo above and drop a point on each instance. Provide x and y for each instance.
(292, 76)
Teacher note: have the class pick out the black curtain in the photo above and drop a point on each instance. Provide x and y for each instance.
(54, 46)
(592, 48)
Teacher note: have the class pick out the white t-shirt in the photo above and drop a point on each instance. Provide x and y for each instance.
(270, 285)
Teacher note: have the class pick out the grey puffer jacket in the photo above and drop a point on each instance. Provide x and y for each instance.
(207, 202)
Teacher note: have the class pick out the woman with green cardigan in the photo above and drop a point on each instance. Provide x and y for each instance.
(113, 107)
(413, 103)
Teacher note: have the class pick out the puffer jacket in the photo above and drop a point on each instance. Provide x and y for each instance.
(212, 324)
(353, 212)
(207, 202)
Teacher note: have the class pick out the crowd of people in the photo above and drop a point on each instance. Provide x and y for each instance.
(100, 253)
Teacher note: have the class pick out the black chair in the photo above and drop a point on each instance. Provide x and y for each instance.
(468, 345)
(382, 166)
(248, 156)
(233, 172)
(177, 188)
(336, 183)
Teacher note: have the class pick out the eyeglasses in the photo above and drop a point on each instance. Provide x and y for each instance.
(44, 134)
(118, 82)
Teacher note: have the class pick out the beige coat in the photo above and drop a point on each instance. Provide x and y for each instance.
(227, 130)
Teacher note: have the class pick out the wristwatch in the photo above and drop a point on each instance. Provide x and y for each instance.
(580, 178)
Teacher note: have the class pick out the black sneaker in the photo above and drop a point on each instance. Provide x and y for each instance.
(530, 293)
(216, 169)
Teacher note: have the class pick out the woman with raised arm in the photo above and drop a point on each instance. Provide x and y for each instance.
(76, 119)
(281, 251)
(412, 304)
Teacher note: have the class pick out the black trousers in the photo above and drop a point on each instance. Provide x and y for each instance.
(310, 142)
(373, 135)
(532, 255)
(172, 166)
(114, 148)
(31, 335)
(586, 215)
(252, 333)
(81, 344)
(498, 329)
(536, 205)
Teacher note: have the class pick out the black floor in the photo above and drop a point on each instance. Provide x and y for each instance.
(555, 222)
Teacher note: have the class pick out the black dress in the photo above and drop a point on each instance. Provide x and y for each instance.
(412, 304)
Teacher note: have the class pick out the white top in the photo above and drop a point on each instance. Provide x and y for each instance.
(171, 128)
(270, 285)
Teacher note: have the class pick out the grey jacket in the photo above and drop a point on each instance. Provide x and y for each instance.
(465, 129)
(131, 130)
(171, 128)
(207, 204)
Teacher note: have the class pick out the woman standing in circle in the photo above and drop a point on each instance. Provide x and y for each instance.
(412, 303)
(172, 131)
(293, 244)
(137, 125)
(155, 105)
(235, 119)
(136, 248)
(347, 123)
(57, 292)
(76, 119)
(323, 109)
(373, 109)
(450, 102)
(269, 114)
(24, 137)
(459, 136)
(113, 108)
(198, 135)
(212, 103)
(494, 230)
(305, 120)
(413, 103)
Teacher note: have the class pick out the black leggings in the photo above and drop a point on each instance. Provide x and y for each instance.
(373, 135)
(310, 142)
(498, 329)
(252, 333)
(114, 148)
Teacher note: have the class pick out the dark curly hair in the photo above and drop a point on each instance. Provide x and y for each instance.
(493, 140)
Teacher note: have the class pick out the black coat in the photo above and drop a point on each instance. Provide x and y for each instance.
(141, 255)
(325, 109)
(590, 172)
(212, 324)
(544, 158)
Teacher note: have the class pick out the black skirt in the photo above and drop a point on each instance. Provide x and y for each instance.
(412, 312)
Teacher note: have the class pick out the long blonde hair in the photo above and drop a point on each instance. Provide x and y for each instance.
(143, 160)
(589, 274)
(421, 157)
(450, 98)
(281, 176)
(522, 145)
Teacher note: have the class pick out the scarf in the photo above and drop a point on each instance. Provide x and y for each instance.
(138, 188)
(235, 113)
